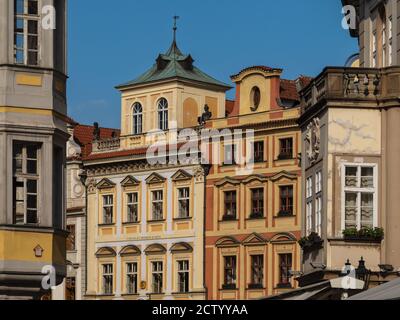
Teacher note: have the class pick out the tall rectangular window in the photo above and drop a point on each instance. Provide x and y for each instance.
(258, 152)
(229, 272)
(384, 44)
(183, 276)
(132, 278)
(157, 205)
(374, 49)
(26, 32)
(71, 237)
(184, 203)
(257, 203)
(108, 277)
(318, 182)
(360, 196)
(108, 209)
(257, 271)
(318, 215)
(26, 183)
(157, 277)
(285, 266)
(285, 149)
(133, 207)
(286, 200)
(230, 154)
(390, 62)
(230, 205)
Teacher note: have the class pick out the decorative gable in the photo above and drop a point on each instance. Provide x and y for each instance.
(105, 184)
(155, 249)
(155, 178)
(130, 251)
(254, 239)
(105, 252)
(253, 178)
(226, 181)
(227, 242)
(181, 175)
(181, 247)
(130, 181)
(284, 237)
(283, 175)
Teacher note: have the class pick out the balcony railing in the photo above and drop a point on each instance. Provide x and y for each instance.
(341, 84)
(106, 145)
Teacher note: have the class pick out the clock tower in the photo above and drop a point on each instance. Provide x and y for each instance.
(33, 135)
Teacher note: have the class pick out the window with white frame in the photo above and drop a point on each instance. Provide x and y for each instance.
(384, 44)
(184, 203)
(137, 118)
(132, 278)
(157, 277)
(183, 276)
(133, 207)
(318, 182)
(318, 215)
(309, 187)
(108, 276)
(162, 106)
(26, 183)
(157, 205)
(108, 209)
(309, 217)
(359, 195)
(374, 49)
(26, 32)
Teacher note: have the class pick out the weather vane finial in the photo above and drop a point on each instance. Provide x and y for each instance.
(175, 27)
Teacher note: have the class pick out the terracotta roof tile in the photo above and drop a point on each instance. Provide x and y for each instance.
(83, 135)
(288, 90)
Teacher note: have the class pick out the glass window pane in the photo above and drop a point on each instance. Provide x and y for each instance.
(19, 25)
(31, 152)
(32, 167)
(351, 210)
(32, 217)
(32, 27)
(19, 6)
(32, 186)
(32, 58)
(32, 42)
(351, 177)
(367, 210)
(32, 7)
(367, 177)
(32, 201)
(19, 56)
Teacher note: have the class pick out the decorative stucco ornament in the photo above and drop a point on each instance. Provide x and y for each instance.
(313, 140)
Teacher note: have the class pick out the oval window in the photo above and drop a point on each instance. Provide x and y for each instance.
(255, 98)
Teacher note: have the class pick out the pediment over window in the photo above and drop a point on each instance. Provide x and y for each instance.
(130, 181)
(155, 249)
(227, 242)
(254, 239)
(253, 178)
(226, 181)
(283, 175)
(181, 247)
(105, 184)
(105, 252)
(155, 178)
(130, 251)
(181, 175)
(284, 237)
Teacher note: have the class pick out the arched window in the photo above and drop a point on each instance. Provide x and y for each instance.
(163, 114)
(137, 118)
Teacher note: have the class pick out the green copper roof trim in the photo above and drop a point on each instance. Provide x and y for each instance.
(175, 65)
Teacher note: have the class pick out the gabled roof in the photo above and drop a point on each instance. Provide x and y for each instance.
(174, 65)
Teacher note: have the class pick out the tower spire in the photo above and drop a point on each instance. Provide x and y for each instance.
(175, 26)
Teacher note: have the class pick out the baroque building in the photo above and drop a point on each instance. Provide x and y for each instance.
(253, 214)
(145, 235)
(349, 122)
(32, 142)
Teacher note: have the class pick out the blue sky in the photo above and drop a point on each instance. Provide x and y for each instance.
(111, 42)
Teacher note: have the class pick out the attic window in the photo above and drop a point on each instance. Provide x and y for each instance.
(161, 63)
(187, 64)
(255, 97)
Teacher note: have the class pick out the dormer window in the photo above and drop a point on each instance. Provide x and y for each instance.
(26, 32)
(137, 118)
(163, 114)
(255, 98)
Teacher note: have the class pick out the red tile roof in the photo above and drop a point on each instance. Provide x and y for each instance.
(83, 135)
(288, 90)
